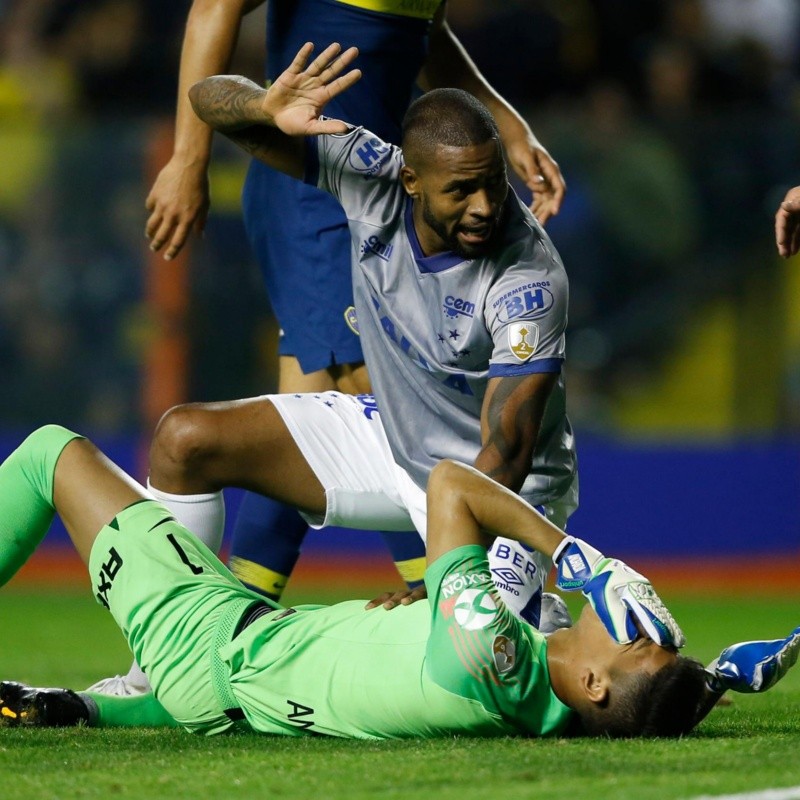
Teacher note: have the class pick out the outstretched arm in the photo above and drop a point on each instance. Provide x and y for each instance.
(269, 123)
(449, 64)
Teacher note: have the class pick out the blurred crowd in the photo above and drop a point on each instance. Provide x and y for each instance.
(676, 124)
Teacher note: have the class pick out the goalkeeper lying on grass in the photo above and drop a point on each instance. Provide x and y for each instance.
(219, 656)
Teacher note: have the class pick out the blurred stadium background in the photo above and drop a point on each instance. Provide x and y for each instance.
(677, 126)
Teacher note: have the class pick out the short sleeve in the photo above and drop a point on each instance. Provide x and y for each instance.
(526, 314)
(357, 168)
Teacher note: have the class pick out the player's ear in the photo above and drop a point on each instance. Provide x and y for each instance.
(595, 685)
(410, 181)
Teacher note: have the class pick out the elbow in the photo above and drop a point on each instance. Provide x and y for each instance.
(516, 472)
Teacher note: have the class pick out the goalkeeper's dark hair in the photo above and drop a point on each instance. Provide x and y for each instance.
(661, 704)
(450, 117)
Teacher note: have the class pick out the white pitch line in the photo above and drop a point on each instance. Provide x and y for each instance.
(790, 793)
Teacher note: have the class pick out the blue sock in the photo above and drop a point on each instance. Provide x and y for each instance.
(266, 544)
(267, 538)
(408, 554)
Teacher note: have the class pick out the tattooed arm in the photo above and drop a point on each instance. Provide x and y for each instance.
(269, 123)
(510, 419)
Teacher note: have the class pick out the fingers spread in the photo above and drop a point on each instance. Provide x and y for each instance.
(299, 61)
(325, 60)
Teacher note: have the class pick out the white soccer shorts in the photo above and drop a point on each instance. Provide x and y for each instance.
(343, 440)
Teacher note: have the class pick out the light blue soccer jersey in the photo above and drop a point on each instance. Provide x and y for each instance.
(435, 329)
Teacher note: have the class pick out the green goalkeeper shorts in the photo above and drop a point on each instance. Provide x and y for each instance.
(176, 604)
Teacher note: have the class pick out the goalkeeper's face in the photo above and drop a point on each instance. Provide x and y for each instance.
(636, 689)
(612, 658)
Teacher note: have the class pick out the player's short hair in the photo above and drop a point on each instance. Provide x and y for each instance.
(449, 117)
(661, 704)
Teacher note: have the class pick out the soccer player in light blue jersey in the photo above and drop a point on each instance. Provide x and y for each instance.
(298, 233)
(462, 302)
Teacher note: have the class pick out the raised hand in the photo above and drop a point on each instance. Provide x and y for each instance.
(296, 99)
(293, 103)
(624, 600)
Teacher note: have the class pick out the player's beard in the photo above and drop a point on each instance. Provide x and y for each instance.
(450, 238)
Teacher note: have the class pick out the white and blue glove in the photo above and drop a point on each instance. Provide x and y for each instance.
(620, 595)
(753, 666)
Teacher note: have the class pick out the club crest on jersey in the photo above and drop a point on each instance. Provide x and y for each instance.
(454, 307)
(352, 320)
(368, 155)
(376, 247)
(523, 337)
(505, 654)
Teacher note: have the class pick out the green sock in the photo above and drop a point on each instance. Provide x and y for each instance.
(141, 710)
(26, 496)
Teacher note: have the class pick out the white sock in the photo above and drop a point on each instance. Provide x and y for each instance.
(137, 678)
(202, 514)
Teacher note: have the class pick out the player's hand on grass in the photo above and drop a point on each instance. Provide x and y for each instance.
(754, 666)
(541, 174)
(404, 597)
(296, 98)
(624, 600)
(787, 224)
(178, 204)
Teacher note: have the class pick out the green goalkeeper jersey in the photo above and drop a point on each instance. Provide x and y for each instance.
(460, 665)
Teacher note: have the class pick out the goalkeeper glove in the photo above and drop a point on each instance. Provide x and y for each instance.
(620, 596)
(753, 666)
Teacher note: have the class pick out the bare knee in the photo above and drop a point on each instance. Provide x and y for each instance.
(181, 447)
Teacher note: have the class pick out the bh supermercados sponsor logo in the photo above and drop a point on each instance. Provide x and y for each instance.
(475, 609)
(529, 301)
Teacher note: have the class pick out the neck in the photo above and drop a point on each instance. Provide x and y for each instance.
(561, 664)
(429, 241)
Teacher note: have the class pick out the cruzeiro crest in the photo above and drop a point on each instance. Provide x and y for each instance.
(523, 337)
(475, 609)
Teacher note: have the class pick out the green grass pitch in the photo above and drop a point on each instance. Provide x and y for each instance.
(56, 638)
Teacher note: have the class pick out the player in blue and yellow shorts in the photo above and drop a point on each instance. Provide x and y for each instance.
(299, 234)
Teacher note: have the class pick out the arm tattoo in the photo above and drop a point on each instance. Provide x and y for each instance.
(228, 102)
